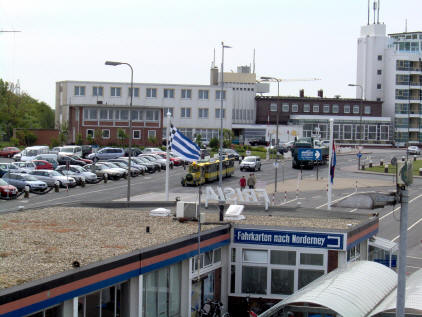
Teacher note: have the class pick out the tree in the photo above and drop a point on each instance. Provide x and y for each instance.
(228, 135)
(63, 133)
(98, 136)
(122, 136)
(79, 139)
(198, 140)
(214, 143)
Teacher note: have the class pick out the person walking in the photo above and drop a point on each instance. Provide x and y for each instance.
(242, 183)
(251, 181)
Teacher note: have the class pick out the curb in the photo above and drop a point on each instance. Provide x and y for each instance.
(383, 174)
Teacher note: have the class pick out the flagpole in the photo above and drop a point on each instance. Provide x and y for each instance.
(168, 114)
(330, 158)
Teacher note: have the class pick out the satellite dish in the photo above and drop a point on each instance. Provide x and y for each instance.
(394, 161)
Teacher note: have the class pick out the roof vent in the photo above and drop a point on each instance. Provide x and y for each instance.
(234, 212)
(160, 212)
(186, 210)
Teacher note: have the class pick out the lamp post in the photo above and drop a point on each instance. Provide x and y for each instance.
(110, 63)
(220, 178)
(360, 120)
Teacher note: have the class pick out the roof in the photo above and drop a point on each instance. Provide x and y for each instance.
(353, 290)
(338, 118)
(384, 244)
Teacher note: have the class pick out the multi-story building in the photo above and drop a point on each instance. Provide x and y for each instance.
(389, 69)
(195, 109)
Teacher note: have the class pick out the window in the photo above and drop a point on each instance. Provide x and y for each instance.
(255, 256)
(254, 280)
(285, 107)
(372, 132)
(306, 107)
(380, 57)
(346, 109)
(186, 94)
(134, 115)
(335, 108)
(378, 86)
(218, 95)
(315, 108)
(217, 113)
(90, 133)
(203, 94)
(356, 109)
(152, 134)
(79, 91)
(115, 91)
(312, 259)
(105, 134)
(379, 72)
(106, 114)
(185, 112)
(347, 132)
(326, 109)
(124, 114)
(308, 276)
(136, 134)
(90, 114)
(295, 108)
(203, 113)
(97, 91)
(384, 132)
(152, 115)
(166, 110)
(135, 92)
(367, 109)
(282, 281)
(168, 93)
(283, 257)
(151, 92)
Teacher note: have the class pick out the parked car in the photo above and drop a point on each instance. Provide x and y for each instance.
(109, 164)
(52, 177)
(9, 168)
(86, 150)
(286, 146)
(205, 143)
(63, 159)
(148, 167)
(20, 180)
(50, 157)
(134, 170)
(135, 151)
(151, 150)
(25, 167)
(30, 153)
(158, 159)
(71, 150)
(9, 151)
(78, 158)
(134, 164)
(231, 154)
(204, 153)
(79, 178)
(106, 153)
(79, 170)
(7, 191)
(150, 160)
(177, 161)
(414, 150)
(255, 142)
(251, 163)
(102, 170)
(43, 165)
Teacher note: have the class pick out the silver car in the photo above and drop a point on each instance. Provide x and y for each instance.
(251, 163)
(25, 167)
(79, 170)
(51, 177)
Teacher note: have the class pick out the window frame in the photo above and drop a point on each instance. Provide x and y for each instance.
(114, 90)
(154, 132)
(81, 91)
(202, 92)
(151, 93)
(102, 133)
(168, 93)
(315, 106)
(133, 134)
(97, 88)
(90, 132)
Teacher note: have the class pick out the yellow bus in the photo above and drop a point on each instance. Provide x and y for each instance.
(207, 171)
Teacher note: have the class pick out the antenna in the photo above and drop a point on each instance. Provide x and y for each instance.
(368, 12)
(253, 71)
(405, 26)
(213, 61)
(375, 9)
(378, 17)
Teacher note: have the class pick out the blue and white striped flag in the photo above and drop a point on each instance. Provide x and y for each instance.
(184, 147)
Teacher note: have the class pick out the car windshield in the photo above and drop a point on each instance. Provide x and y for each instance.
(3, 182)
(148, 158)
(29, 178)
(113, 165)
(249, 159)
(54, 173)
(67, 150)
(124, 163)
(78, 168)
(31, 153)
(119, 164)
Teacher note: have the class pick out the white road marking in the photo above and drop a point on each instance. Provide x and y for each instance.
(336, 200)
(414, 257)
(353, 210)
(411, 201)
(408, 228)
(316, 196)
(414, 267)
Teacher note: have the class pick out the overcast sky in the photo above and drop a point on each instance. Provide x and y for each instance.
(171, 41)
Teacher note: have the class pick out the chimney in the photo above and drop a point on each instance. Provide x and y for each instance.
(321, 93)
(302, 93)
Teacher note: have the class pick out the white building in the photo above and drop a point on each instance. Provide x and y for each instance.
(389, 69)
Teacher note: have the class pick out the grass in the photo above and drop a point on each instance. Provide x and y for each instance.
(392, 169)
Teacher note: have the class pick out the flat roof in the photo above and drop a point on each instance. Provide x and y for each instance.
(36, 244)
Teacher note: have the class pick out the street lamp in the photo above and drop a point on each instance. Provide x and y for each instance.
(110, 63)
(360, 120)
(220, 178)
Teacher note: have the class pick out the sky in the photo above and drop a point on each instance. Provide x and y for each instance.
(173, 42)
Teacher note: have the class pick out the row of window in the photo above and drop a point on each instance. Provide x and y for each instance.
(98, 91)
(349, 131)
(203, 113)
(120, 114)
(106, 134)
(408, 65)
(325, 108)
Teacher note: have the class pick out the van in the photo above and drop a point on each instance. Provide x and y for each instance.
(30, 153)
(71, 150)
(106, 153)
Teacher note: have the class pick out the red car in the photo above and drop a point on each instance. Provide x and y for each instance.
(9, 151)
(43, 165)
(176, 161)
(7, 191)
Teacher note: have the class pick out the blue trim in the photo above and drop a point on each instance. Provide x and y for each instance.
(108, 282)
(365, 237)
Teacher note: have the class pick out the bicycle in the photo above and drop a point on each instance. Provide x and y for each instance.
(212, 309)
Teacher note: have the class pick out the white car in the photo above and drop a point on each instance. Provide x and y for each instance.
(413, 149)
(251, 163)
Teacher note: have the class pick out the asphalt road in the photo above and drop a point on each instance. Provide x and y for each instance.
(389, 216)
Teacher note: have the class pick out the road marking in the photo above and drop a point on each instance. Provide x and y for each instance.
(408, 229)
(353, 210)
(414, 267)
(336, 200)
(414, 257)
(412, 200)
(316, 196)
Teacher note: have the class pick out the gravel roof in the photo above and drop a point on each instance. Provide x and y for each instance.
(36, 244)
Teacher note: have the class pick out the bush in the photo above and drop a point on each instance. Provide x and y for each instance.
(214, 143)
(54, 142)
(79, 139)
(14, 141)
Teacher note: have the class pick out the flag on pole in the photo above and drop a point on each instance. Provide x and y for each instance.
(333, 163)
(184, 147)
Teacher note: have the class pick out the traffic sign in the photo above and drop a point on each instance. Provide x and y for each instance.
(359, 155)
(309, 155)
(275, 164)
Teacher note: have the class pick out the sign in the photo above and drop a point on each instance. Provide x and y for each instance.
(275, 164)
(237, 196)
(309, 155)
(248, 153)
(359, 155)
(321, 240)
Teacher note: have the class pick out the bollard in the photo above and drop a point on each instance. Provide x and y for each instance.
(420, 172)
(82, 183)
(56, 187)
(414, 157)
(363, 167)
(105, 177)
(386, 168)
(125, 176)
(370, 164)
(26, 194)
(403, 158)
(381, 162)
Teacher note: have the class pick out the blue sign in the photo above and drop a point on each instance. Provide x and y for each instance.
(309, 155)
(289, 238)
(359, 155)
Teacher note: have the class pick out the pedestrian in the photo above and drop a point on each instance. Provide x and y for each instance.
(251, 181)
(242, 183)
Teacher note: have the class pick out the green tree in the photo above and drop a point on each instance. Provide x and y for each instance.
(152, 140)
(79, 139)
(214, 143)
(63, 133)
(90, 140)
(122, 136)
(97, 136)
(228, 135)
(198, 140)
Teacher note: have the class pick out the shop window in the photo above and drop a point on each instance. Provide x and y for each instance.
(307, 276)
(255, 256)
(282, 281)
(254, 280)
(311, 259)
(233, 251)
(233, 279)
(283, 257)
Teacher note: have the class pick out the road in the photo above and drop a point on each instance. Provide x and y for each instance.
(346, 168)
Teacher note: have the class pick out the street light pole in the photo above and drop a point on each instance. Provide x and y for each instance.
(360, 120)
(110, 63)
(220, 177)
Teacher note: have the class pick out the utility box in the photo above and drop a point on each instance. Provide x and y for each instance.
(186, 210)
(405, 172)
